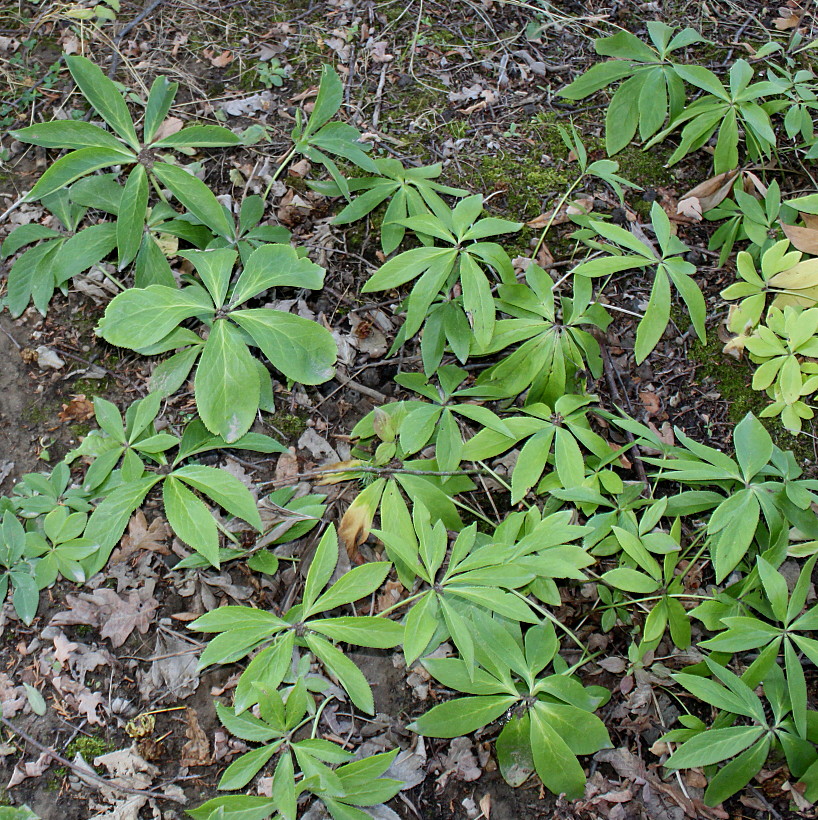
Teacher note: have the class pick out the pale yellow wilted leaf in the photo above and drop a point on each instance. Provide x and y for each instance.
(338, 477)
(168, 244)
(357, 521)
(799, 277)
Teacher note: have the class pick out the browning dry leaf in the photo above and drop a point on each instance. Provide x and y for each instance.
(142, 536)
(78, 409)
(115, 615)
(196, 751)
(804, 239)
(706, 195)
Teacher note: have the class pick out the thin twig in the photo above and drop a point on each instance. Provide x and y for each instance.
(85, 774)
(127, 29)
(634, 449)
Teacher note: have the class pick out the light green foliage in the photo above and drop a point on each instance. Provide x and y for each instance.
(760, 479)
(240, 630)
(20, 813)
(653, 91)
(464, 261)
(94, 147)
(57, 256)
(229, 382)
(320, 135)
(130, 458)
(557, 722)
(410, 191)
(487, 588)
(747, 218)
(554, 336)
(669, 268)
(724, 109)
(779, 348)
(748, 745)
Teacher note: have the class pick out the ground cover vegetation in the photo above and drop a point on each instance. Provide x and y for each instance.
(548, 570)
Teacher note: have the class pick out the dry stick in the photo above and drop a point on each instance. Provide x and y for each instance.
(609, 378)
(115, 58)
(84, 774)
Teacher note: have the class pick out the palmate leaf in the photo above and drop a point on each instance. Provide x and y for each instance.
(140, 317)
(227, 383)
(77, 164)
(301, 349)
(104, 96)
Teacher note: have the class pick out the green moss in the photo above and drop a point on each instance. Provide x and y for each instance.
(523, 179)
(91, 387)
(733, 380)
(645, 168)
(79, 430)
(288, 424)
(88, 747)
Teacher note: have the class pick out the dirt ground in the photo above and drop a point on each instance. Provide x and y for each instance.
(468, 84)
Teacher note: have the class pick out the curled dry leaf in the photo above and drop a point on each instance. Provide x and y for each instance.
(171, 125)
(78, 409)
(706, 195)
(789, 17)
(582, 205)
(196, 751)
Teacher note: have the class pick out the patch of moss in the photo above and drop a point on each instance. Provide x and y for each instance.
(91, 387)
(523, 179)
(288, 424)
(645, 168)
(733, 380)
(88, 747)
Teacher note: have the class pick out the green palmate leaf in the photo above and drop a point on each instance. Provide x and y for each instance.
(103, 95)
(361, 630)
(322, 566)
(556, 764)
(196, 197)
(69, 134)
(131, 219)
(160, 99)
(273, 266)
(242, 770)
(713, 746)
(302, 350)
(200, 136)
(350, 677)
(88, 247)
(656, 317)
(737, 773)
(358, 583)
(140, 317)
(190, 519)
(227, 383)
(235, 807)
(109, 519)
(223, 488)
(215, 267)
(462, 715)
(72, 166)
(514, 754)
(328, 101)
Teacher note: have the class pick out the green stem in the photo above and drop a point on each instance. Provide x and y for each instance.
(563, 199)
(284, 163)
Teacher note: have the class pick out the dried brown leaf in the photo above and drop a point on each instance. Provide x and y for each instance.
(196, 751)
(804, 239)
(706, 194)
